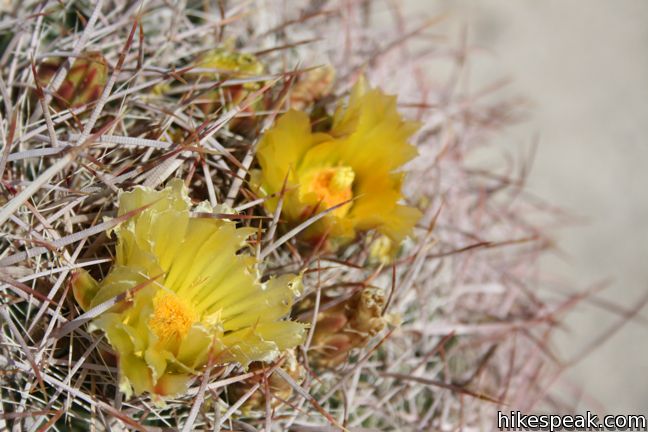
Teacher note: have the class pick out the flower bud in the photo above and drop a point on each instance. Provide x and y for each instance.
(84, 82)
(346, 326)
(311, 86)
(277, 386)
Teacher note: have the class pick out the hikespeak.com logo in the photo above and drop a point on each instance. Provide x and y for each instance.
(517, 421)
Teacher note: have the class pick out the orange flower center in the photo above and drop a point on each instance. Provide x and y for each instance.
(331, 186)
(172, 317)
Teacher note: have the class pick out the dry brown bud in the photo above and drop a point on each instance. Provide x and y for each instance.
(346, 326)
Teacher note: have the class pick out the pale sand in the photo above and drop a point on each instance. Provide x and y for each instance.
(584, 65)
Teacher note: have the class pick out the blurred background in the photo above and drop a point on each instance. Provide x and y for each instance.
(583, 66)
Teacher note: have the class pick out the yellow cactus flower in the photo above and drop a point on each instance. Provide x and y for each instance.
(357, 161)
(191, 295)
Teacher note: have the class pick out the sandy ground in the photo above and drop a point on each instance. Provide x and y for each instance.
(584, 66)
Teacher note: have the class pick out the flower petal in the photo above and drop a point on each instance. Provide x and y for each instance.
(172, 384)
(135, 374)
(286, 334)
(168, 212)
(246, 346)
(194, 348)
(84, 288)
(271, 304)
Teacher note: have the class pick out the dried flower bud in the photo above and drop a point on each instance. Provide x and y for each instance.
(277, 386)
(346, 326)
